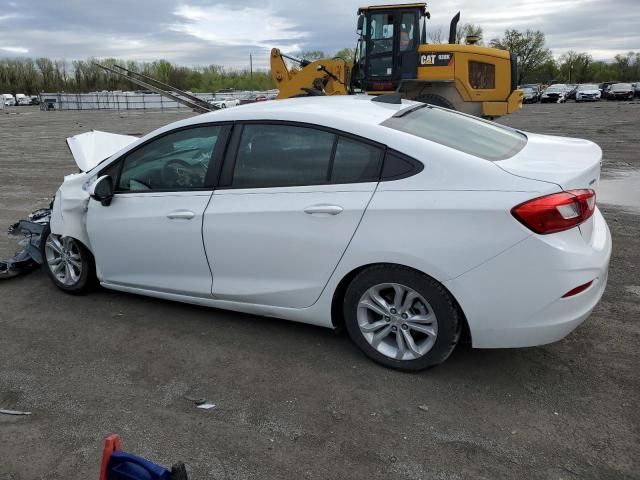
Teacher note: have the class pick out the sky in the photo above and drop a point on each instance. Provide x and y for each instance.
(199, 32)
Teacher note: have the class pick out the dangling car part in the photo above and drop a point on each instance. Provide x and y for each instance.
(30, 256)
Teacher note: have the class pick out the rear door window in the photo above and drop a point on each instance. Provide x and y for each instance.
(282, 155)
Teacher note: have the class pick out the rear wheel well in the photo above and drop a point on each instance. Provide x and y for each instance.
(337, 317)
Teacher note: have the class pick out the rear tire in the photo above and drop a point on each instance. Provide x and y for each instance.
(69, 264)
(401, 318)
(436, 100)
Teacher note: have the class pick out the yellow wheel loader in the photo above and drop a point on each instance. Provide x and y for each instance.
(392, 56)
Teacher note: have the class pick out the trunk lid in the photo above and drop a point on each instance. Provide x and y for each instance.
(567, 162)
(570, 163)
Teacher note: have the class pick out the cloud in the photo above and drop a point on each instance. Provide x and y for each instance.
(229, 26)
(199, 32)
(21, 50)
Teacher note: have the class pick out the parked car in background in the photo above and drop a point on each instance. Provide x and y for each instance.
(254, 97)
(587, 92)
(604, 87)
(529, 95)
(22, 99)
(8, 100)
(572, 88)
(535, 87)
(407, 223)
(225, 103)
(636, 88)
(34, 100)
(621, 91)
(555, 93)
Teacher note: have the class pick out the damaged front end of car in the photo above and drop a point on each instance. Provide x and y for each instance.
(65, 214)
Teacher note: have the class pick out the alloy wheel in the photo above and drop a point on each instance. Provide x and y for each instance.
(63, 259)
(397, 321)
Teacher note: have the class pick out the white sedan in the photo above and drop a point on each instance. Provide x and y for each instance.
(411, 225)
(588, 93)
(225, 103)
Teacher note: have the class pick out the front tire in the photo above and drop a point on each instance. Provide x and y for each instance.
(401, 318)
(69, 264)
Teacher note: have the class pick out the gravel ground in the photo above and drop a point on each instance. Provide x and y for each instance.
(295, 401)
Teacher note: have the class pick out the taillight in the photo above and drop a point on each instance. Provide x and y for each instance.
(556, 212)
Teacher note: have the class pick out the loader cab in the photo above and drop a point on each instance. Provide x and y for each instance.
(387, 50)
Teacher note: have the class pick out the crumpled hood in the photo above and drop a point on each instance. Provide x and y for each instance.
(90, 148)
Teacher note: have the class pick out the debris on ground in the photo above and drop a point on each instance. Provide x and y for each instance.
(201, 403)
(13, 412)
(30, 256)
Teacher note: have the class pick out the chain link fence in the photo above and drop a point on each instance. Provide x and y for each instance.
(130, 100)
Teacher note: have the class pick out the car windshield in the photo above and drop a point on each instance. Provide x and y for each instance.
(621, 86)
(462, 132)
(527, 90)
(556, 88)
(587, 87)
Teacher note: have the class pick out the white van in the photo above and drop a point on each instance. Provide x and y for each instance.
(8, 100)
(22, 99)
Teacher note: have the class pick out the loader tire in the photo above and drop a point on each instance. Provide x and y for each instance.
(436, 100)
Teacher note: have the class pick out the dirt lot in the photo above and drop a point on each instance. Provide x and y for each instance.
(294, 401)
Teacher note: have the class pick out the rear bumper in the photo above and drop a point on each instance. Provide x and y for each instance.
(515, 299)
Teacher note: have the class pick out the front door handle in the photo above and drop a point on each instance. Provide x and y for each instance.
(326, 209)
(181, 215)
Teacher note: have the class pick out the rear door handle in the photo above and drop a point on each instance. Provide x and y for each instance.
(326, 209)
(181, 215)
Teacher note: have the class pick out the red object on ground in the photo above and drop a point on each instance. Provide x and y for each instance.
(111, 444)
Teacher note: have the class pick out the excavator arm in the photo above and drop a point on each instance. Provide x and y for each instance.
(320, 77)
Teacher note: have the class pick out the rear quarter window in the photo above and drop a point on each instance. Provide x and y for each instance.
(467, 134)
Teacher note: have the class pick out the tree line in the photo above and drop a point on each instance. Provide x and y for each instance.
(536, 64)
(29, 76)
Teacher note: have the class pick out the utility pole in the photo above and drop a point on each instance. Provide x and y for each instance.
(570, 71)
(251, 67)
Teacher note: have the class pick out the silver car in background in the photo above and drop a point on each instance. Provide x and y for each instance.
(555, 93)
(588, 92)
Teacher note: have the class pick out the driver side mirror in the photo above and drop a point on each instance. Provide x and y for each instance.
(360, 24)
(102, 190)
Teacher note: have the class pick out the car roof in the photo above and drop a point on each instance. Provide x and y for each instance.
(354, 114)
(320, 110)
